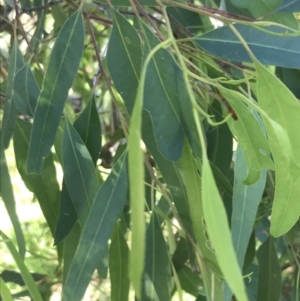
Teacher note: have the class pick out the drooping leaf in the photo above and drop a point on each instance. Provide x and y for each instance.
(269, 280)
(10, 111)
(269, 49)
(27, 277)
(79, 172)
(219, 232)
(165, 92)
(283, 108)
(62, 67)
(44, 186)
(105, 211)
(124, 47)
(7, 195)
(250, 136)
(119, 266)
(89, 129)
(157, 264)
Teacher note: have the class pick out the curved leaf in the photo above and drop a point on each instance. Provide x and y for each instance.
(61, 70)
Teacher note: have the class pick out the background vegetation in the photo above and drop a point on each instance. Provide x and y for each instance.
(149, 150)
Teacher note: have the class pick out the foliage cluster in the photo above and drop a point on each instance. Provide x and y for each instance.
(140, 104)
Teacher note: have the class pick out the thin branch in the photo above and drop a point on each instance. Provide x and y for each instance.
(40, 7)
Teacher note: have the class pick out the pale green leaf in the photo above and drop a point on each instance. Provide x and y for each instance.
(4, 291)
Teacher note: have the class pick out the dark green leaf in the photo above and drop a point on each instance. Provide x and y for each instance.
(44, 186)
(268, 49)
(26, 91)
(10, 112)
(290, 6)
(119, 266)
(190, 281)
(105, 211)
(62, 67)
(89, 129)
(157, 264)
(291, 78)
(269, 281)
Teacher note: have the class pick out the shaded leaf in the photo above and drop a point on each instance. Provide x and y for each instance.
(10, 112)
(190, 281)
(107, 207)
(89, 129)
(269, 280)
(62, 67)
(44, 186)
(268, 49)
(119, 266)
(290, 6)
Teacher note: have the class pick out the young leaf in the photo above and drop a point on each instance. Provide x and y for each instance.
(219, 233)
(10, 111)
(107, 207)
(62, 67)
(119, 266)
(283, 108)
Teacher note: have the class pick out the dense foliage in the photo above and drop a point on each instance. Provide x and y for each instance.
(176, 127)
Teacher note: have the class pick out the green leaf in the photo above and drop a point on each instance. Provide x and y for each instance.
(269, 280)
(62, 68)
(27, 277)
(39, 30)
(250, 136)
(219, 233)
(119, 266)
(89, 129)
(124, 47)
(7, 195)
(190, 281)
(79, 172)
(26, 91)
(10, 112)
(164, 82)
(268, 49)
(290, 6)
(4, 291)
(157, 264)
(44, 186)
(283, 108)
(291, 78)
(192, 180)
(104, 213)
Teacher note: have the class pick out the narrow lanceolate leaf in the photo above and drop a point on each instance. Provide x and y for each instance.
(44, 186)
(61, 70)
(26, 91)
(119, 266)
(269, 280)
(79, 172)
(10, 111)
(105, 211)
(250, 136)
(284, 109)
(165, 92)
(88, 127)
(192, 182)
(7, 195)
(124, 59)
(157, 265)
(269, 49)
(219, 232)
(245, 201)
(4, 291)
(27, 277)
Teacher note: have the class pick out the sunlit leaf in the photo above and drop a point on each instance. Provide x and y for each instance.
(62, 67)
